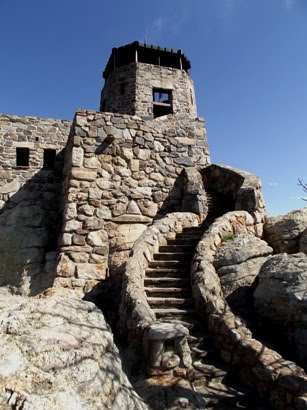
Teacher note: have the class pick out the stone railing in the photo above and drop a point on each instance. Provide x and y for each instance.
(244, 188)
(194, 195)
(282, 382)
(138, 320)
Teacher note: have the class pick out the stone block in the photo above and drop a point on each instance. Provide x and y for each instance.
(83, 174)
(77, 157)
(91, 271)
(97, 238)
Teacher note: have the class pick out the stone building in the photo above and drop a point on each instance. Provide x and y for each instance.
(125, 201)
(124, 167)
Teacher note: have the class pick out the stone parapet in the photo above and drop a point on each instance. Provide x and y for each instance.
(279, 380)
(121, 173)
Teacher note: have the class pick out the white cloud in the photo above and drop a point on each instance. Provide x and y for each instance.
(289, 4)
(273, 184)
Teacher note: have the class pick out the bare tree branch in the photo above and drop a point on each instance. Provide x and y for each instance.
(303, 185)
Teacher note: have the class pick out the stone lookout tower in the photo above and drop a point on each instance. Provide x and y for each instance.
(148, 81)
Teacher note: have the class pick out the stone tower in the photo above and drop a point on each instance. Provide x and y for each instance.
(148, 81)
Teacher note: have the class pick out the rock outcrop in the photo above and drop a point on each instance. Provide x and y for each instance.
(238, 263)
(284, 232)
(58, 353)
(281, 298)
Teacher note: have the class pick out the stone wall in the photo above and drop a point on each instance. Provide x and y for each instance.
(118, 93)
(129, 90)
(277, 379)
(30, 201)
(34, 133)
(124, 173)
(242, 187)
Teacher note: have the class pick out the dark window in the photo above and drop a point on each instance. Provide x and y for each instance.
(22, 157)
(162, 102)
(122, 88)
(49, 158)
(103, 105)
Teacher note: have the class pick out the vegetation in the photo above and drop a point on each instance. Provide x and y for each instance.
(304, 187)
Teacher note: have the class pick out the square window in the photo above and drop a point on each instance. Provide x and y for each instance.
(162, 102)
(49, 158)
(162, 96)
(22, 157)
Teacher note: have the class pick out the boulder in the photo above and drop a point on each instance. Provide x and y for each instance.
(283, 232)
(238, 263)
(58, 353)
(281, 297)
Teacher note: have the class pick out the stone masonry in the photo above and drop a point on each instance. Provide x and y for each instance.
(122, 172)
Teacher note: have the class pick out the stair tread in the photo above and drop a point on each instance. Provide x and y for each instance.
(170, 299)
(168, 289)
(174, 311)
(168, 279)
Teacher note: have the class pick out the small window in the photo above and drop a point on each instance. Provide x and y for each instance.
(22, 157)
(162, 96)
(103, 105)
(122, 88)
(162, 102)
(49, 158)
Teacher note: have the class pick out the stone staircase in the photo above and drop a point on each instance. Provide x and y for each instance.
(169, 294)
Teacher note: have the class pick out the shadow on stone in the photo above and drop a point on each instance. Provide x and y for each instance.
(30, 223)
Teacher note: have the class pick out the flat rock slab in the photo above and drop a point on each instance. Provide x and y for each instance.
(58, 353)
(166, 331)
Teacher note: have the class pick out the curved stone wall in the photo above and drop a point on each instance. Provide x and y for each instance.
(136, 313)
(279, 380)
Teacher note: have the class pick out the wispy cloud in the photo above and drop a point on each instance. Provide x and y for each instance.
(273, 184)
(289, 4)
(166, 24)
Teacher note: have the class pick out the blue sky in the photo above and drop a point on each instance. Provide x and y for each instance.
(249, 66)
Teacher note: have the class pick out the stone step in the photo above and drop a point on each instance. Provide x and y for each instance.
(178, 256)
(174, 313)
(183, 242)
(163, 302)
(191, 323)
(197, 353)
(175, 282)
(177, 248)
(193, 229)
(167, 273)
(211, 371)
(161, 292)
(170, 264)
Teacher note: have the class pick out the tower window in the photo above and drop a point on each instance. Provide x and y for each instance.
(162, 102)
(122, 88)
(22, 157)
(103, 105)
(49, 158)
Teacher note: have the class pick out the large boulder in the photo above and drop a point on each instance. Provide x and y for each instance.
(281, 298)
(284, 232)
(58, 353)
(238, 263)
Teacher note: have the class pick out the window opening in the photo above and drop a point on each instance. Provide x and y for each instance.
(49, 158)
(22, 157)
(162, 102)
(103, 105)
(122, 88)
